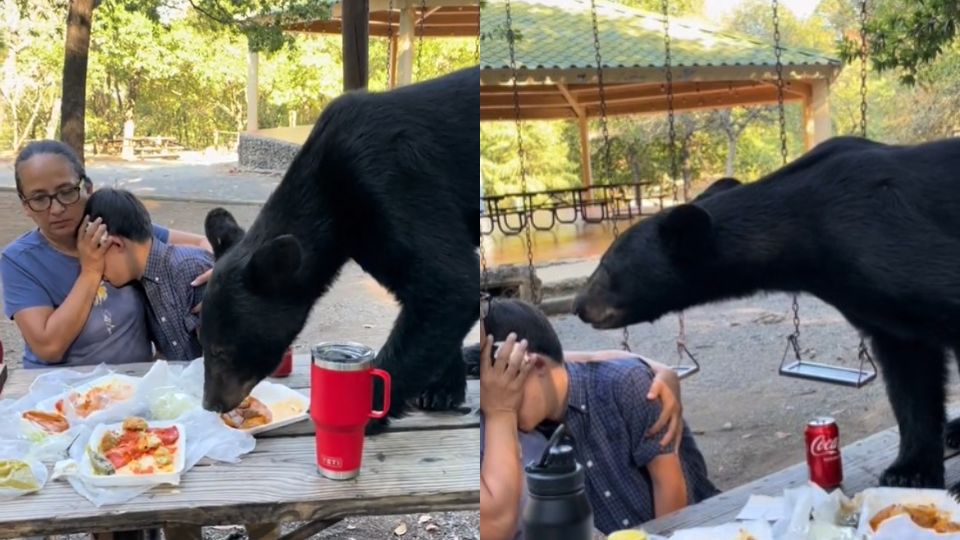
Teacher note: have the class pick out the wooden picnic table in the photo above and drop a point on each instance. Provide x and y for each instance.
(863, 462)
(424, 462)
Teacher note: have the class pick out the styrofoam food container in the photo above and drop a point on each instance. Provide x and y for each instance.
(123, 480)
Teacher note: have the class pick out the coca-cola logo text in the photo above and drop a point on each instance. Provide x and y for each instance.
(822, 445)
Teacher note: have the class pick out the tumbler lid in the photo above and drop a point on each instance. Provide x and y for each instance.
(342, 356)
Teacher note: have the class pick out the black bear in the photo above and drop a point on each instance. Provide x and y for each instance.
(386, 179)
(872, 229)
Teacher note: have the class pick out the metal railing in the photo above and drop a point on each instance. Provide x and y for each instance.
(595, 204)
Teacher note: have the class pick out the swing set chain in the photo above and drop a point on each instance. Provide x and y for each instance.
(423, 17)
(863, 69)
(862, 352)
(794, 338)
(521, 153)
(671, 120)
(780, 83)
(604, 126)
(600, 87)
(476, 49)
(389, 40)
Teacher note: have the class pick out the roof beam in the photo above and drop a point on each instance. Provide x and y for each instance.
(577, 108)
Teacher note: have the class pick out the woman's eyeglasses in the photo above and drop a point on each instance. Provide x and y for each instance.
(65, 196)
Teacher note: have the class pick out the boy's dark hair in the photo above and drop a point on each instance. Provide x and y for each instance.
(527, 322)
(123, 213)
(49, 147)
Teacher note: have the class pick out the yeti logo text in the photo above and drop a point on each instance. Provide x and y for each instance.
(332, 462)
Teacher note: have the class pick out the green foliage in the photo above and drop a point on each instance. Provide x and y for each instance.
(749, 138)
(176, 72)
(909, 35)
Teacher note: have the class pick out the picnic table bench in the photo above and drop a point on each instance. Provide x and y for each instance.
(425, 462)
(144, 147)
(863, 462)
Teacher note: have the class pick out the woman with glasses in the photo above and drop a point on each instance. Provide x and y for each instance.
(52, 276)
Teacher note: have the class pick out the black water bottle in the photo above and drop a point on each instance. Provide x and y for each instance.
(558, 508)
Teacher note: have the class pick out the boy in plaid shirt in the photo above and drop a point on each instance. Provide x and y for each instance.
(164, 271)
(603, 398)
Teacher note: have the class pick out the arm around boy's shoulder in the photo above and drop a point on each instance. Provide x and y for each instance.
(638, 412)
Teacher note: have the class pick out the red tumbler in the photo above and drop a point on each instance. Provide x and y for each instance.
(341, 394)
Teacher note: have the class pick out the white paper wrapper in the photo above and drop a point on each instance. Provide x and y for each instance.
(758, 530)
(827, 521)
(206, 436)
(21, 450)
(902, 527)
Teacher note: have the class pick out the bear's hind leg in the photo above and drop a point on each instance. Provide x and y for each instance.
(951, 434)
(424, 351)
(914, 375)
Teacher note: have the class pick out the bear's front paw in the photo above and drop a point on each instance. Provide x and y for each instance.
(377, 426)
(913, 475)
(445, 396)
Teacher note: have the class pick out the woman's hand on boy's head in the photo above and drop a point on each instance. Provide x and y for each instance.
(501, 381)
(92, 245)
(666, 388)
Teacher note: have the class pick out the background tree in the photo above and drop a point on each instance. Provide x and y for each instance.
(260, 21)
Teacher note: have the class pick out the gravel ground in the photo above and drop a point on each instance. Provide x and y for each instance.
(748, 420)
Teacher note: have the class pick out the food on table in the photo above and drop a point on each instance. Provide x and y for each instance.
(628, 534)
(17, 474)
(135, 449)
(251, 413)
(48, 421)
(927, 516)
(287, 408)
(97, 398)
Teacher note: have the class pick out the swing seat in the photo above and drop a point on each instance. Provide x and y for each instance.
(685, 371)
(827, 373)
(815, 371)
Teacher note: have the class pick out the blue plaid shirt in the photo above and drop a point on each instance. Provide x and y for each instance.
(170, 298)
(608, 415)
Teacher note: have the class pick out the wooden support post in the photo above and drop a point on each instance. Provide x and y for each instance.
(405, 43)
(356, 37)
(816, 114)
(586, 170)
(253, 61)
(393, 61)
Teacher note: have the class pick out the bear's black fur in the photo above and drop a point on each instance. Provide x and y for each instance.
(871, 229)
(388, 180)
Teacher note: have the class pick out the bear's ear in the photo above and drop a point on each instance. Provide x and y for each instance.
(719, 186)
(272, 266)
(686, 232)
(222, 231)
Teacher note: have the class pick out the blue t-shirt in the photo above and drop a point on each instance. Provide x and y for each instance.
(35, 274)
(532, 446)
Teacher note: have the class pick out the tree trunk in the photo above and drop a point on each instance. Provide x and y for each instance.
(54, 120)
(356, 33)
(731, 154)
(73, 107)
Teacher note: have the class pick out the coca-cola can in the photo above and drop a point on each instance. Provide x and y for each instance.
(823, 452)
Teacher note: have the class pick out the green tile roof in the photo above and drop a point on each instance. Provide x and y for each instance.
(557, 34)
